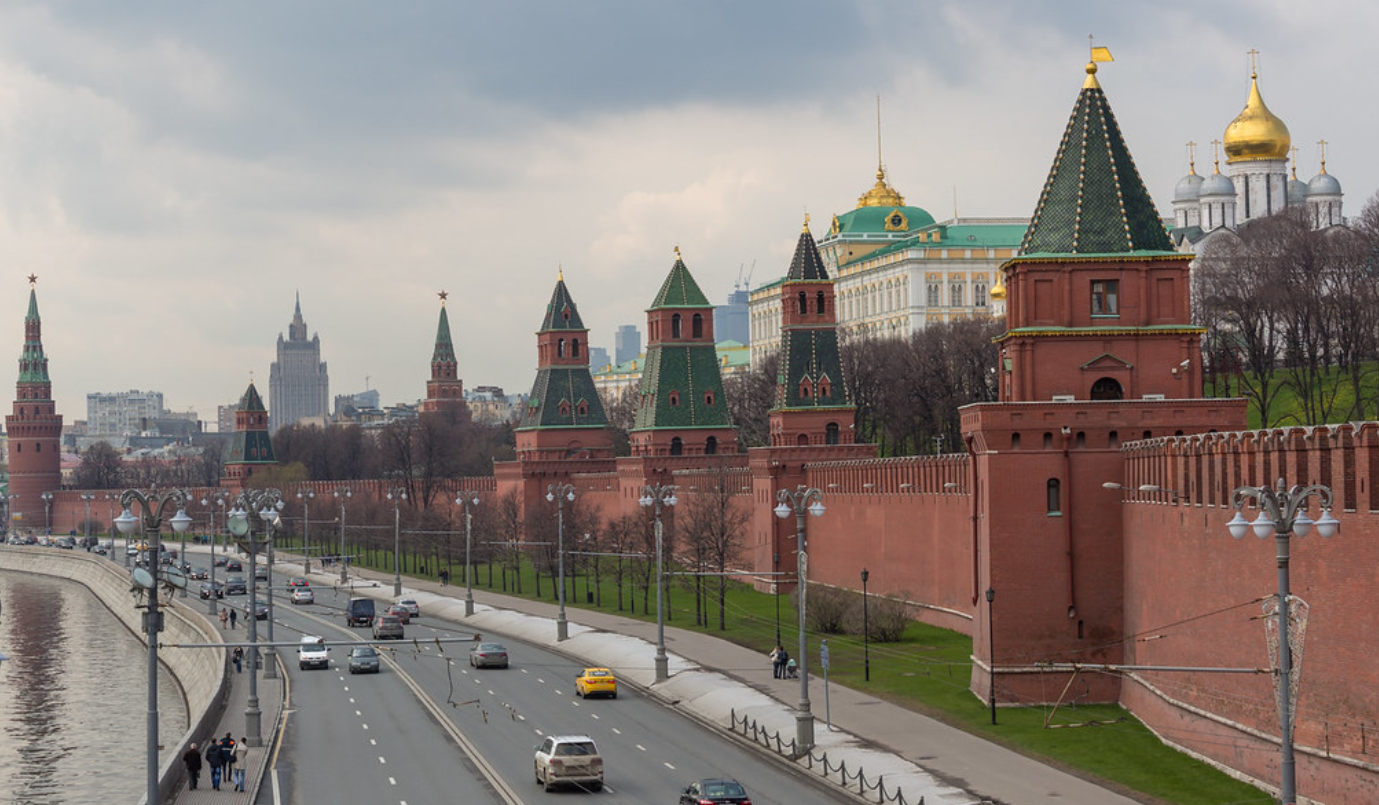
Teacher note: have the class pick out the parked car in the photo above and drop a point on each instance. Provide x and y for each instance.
(387, 627)
(212, 588)
(569, 760)
(66, 543)
(714, 791)
(364, 660)
(488, 655)
(400, 612)
(312, 653)
(303, 595)
(413, 608)
(596, 682)
(234, 585)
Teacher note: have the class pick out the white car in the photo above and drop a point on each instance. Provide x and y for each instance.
(303, 595)
(312, 653)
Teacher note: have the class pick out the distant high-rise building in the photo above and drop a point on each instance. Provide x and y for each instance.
(598, 358)
(730, 321)
(298, 385)
(627, 343)
(360, 401)
(121, 413)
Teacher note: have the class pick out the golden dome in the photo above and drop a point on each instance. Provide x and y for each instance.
(1256, 133)
(881, 194)
(998, 291)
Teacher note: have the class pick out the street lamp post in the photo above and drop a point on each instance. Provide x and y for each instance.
(466, 499)
(397, 496)
(802, 499)
(991, 653)
(47, 512)
(241, 524)
(212, 605)
(558, 494)
(9, 514)
(153, 506)
(86, 498)
(658, 495)
(306, 496)
(270, 517)
(110, 498)
(866, 632)
(1283, 512)
(342, 495)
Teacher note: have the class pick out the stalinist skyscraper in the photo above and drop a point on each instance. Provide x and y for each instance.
(298, 385)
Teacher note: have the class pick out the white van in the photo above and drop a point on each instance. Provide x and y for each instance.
(312, 653)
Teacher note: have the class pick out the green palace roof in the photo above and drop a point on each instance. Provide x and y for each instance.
(880, 220)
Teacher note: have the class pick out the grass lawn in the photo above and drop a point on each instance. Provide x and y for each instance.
(927, 671)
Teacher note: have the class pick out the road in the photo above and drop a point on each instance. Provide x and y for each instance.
(471, 734)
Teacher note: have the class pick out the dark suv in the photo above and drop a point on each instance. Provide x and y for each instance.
(234, 585)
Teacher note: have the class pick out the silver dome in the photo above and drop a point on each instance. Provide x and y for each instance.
(1189, 187)
(1323, 184)
(1217, 184)
(1297, 191)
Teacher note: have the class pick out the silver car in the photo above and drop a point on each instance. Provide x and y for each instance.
(569, 759)
(387, 627)
(364, 660)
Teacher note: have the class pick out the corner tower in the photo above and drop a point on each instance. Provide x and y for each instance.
(445, 387)
(564, 415)
(34, 427)
(812, 401)
(680, 407)
(251, 447)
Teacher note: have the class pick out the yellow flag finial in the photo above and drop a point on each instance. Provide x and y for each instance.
(806, 221)
(560, 272)
(1097, 54)
(677, 251)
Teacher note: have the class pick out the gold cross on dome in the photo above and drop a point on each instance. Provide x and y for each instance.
(1254, 62)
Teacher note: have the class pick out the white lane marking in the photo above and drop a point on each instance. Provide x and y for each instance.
(373, 742)
(668, 765)
(643, 748)
(595, 716)
(392, 781)
(366, 726)
(525, 671)
(382, 760)
(358, 712)
(542, 681)
(617, 731)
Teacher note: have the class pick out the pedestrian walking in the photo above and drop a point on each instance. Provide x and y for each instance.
(215, 758)
(238, 656)
(192, 759)
(241, 760)
(227, 749)
(224, 616)
(778, 660)
(233, 616)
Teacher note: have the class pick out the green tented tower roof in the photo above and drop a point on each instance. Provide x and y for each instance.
(1094, 201)
(680, 290)
(561, 312)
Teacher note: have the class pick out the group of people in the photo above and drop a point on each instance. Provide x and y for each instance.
(225, 757)
(228, 614)
(782, 665)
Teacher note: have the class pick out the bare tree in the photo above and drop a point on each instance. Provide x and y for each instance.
(100, 467)
(751, 396)
(715, 525)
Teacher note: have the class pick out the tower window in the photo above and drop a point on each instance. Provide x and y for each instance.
(708, 397)
(697, 326)
(802, 303)
(1105, 298)
(819, 303)
(831, 433)
(560, 347)
(711, 446)
(1054, 491)
(675, 326)
(674, 399)
(677, 447)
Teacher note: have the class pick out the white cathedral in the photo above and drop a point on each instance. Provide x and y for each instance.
(1256, 183)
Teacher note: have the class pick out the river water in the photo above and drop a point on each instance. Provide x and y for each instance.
(74, 698)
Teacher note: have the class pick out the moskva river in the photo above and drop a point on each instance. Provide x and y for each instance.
(74, 698)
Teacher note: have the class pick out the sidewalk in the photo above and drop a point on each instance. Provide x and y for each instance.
(270, 693)
(714, 680)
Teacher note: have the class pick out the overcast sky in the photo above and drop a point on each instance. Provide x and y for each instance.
(175, 172)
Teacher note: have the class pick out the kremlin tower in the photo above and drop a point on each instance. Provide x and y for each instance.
(445, 387)
(35, 428)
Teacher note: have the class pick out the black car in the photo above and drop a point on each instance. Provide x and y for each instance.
(715, 790)
(234, 566)
(199, 573)
(261, 610)
(234, 585)
(209, 588)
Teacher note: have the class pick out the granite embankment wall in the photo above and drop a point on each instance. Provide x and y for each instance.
(200, 672)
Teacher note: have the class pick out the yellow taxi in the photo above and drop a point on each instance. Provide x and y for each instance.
(596, 682)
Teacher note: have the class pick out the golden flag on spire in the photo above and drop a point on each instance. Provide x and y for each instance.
(1101, 54)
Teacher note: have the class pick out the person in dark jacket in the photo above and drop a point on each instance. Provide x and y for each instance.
(227, 750)
(192, 759)
(215, 758)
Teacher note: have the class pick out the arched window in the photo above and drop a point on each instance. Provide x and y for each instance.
(1107, 388)
(677, 447)
(831, 433)
(583, 409)
(711, 446)
(805, 389)
(675, 326)
(1113, 440)
(819, 303)
(823, 387)
(697, 326)
(1014, 441)
(674, 399)
(564, 408)
(802, 303)
(574, 348)
(1048, 441)
(1081, 440)
(955, 295)
(708, 397)
(1054, 496)
(560, 347)
(932, 293)
(802, 440)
